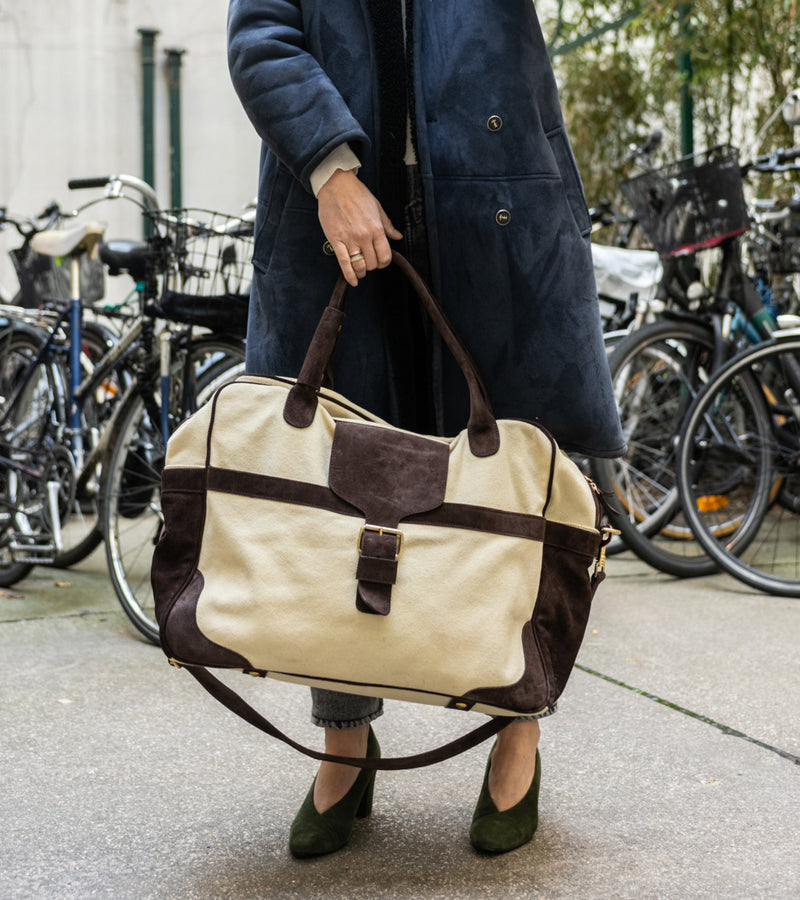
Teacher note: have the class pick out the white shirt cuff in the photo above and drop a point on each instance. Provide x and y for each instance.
(340, 158)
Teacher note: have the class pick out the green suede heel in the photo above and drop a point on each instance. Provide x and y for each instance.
(314, 834)
(498, 832)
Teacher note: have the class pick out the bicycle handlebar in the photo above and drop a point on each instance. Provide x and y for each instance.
(77, 184)
(114, 185)
(776, 161)
(27, 226)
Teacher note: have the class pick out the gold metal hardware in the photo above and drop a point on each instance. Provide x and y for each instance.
(174, 662)
(461, 705)
(381, 530)
(607, 533)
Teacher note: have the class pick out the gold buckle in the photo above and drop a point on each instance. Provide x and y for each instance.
(381, 530)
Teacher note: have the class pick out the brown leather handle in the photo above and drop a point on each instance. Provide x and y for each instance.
(301, 404)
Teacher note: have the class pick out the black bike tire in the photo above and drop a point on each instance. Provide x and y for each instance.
(134, 597)
(728, 554)
(641, 539)
(13, 573)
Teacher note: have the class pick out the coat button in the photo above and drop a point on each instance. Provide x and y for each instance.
(327, 249)
(494, 123)
(502, 217)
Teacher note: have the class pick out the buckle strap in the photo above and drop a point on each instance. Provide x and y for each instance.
(379, 548)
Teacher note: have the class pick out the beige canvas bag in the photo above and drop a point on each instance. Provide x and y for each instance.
(306, 540)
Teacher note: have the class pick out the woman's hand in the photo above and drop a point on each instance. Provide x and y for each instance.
(355, 225)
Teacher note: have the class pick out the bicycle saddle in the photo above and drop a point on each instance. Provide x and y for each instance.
(56, 242)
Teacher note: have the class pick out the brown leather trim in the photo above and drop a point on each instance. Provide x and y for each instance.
(374, 598)
(330, 398)
(561, 614)
(382, 571)
(184, 479)
(182, 637)
(450, 515)
(576, 540)
(183, 502)
(481, 518)
(268, 487)
(301, 404)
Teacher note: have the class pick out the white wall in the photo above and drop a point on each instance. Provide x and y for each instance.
(70, 106)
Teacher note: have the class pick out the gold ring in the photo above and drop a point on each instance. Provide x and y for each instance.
(354, 257)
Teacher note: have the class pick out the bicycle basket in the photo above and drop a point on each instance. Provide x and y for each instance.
(42, 279)
(208, 267)
(691, 204)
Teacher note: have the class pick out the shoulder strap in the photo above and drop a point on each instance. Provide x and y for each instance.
(229, 698)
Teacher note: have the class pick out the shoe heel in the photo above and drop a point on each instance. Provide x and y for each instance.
(365, 806)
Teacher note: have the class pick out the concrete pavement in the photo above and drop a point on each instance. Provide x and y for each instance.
(672, 769)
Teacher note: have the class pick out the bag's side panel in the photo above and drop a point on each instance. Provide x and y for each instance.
(175, 555)
(561, 614)
(572, 500)
(187, 446)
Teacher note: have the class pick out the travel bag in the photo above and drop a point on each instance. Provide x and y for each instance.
(307, 540)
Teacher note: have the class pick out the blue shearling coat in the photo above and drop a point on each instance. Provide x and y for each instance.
(505, 211)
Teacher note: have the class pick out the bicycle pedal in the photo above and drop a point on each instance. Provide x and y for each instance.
(33, 554)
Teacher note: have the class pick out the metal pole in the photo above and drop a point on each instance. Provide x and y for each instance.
(174, 55)
(148, 104)
(148, 42)
(685, 68)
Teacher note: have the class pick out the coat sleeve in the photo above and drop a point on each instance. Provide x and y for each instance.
(295, 108)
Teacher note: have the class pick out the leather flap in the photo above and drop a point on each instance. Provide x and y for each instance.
(386, 473)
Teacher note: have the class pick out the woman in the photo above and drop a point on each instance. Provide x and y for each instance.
(434, 123)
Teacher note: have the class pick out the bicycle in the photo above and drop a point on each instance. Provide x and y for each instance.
(47, 442)
(47, 426)
(739, 461)
(657, 370)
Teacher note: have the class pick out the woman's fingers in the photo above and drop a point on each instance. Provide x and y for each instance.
(356, 226)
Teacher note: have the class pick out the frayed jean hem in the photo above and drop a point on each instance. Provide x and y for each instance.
(352, 723)
(544, 715)
(332, 709)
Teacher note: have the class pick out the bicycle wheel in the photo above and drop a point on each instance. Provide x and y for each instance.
(131, 508)
(656, 371)
(28, 452)
(740, 460)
